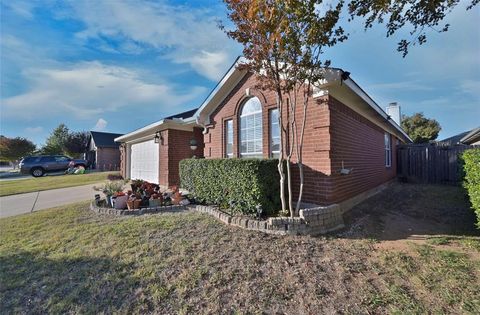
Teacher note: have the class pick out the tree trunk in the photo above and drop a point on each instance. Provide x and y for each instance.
(292, 103)
(289, 178)
(280, 158)
(300, 149)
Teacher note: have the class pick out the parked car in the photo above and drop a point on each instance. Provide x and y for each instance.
(37, 166)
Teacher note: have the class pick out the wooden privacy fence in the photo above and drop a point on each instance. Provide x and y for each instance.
(427, 163)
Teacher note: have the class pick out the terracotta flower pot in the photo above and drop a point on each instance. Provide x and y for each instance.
(137, 203)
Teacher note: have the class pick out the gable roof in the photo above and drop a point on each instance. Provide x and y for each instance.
(104, 139)
(471, 137)
(465, 137)
(178, 121)
(334, 77)
(453, 139)
(184, 115)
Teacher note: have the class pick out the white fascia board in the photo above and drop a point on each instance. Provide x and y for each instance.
(150, 130)
(364, 96)
(469, 135)
(139, 131)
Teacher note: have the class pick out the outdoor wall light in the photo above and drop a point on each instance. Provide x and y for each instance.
(158, 138)
(193, 144)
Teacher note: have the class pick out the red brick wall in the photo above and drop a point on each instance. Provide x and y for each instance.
(316, 143)
(333, 133)
(176, 147)
(108, 159)
(360, 145)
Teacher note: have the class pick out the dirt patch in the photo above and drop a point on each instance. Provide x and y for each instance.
(410, 211)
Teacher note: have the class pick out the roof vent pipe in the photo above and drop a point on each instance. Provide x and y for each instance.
(393, 110)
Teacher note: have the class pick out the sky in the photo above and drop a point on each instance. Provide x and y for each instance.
(118, 65)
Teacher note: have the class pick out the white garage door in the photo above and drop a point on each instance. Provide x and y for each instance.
(144, 161)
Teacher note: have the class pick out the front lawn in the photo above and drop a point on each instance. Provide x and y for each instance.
(19, 186)
(70, 260)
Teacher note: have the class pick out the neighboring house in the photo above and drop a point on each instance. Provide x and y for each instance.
(345, 129)
(471, 137)
(102, 151)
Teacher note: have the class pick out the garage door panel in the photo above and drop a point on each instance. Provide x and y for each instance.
(144, 161)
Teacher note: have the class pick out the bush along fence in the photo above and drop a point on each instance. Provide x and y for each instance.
(471, 172)
(241, 185)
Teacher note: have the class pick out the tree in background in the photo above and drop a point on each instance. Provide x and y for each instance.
(55, 143)
(419, 16)
(420, 128)
(75, 143)
(283, 42)
(13, 149)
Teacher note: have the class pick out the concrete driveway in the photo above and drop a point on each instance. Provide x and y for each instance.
(29, 202)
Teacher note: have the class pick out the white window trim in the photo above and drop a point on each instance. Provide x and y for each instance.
(272, 153)
(260, 111)
(388, 150)
(228, 155)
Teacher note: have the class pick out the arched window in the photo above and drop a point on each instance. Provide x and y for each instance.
(251, 129)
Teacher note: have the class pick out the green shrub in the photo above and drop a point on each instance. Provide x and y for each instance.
(237, 184)
(471, 171)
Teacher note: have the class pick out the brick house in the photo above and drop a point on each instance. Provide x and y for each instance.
(346, 132)
(102, 151)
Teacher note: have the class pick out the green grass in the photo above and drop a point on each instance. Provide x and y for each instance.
(12, 187)
(445, 278)
(70, 260)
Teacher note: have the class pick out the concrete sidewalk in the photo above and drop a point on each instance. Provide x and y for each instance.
(29, 202)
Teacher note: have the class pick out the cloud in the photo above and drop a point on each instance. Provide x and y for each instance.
(181, 34)
(471, 87)
(403, 85)
(100, 125)
(87, 89)
(34, 130)
(22, 8)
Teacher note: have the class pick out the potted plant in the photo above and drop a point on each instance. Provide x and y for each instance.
(109, 189)
(133, 202)
(136, 184)
(155, 200)
(120, 200)
(176, 195)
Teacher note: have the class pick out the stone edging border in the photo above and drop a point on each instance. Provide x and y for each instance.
(101, 210)
(311, 221)
(319, 220)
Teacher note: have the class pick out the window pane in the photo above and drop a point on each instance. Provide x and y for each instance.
(251, 106)
(275, 147)
(274, 133)
(243, 135)
(250, 147)
(229, 138)
(251, 129)
(243, 123)
(243, 147)
(250, 122)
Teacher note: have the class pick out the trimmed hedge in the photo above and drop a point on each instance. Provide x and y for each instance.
(471, 171)
(236, 184)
